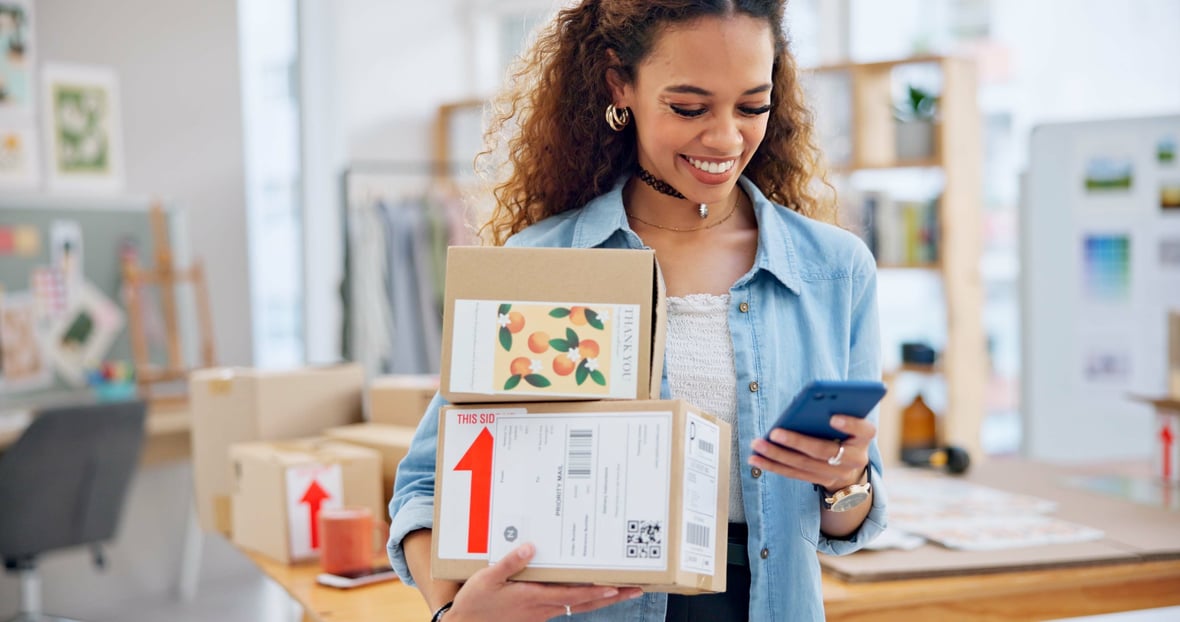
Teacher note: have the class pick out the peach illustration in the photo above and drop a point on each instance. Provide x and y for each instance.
(515, 322)
(562, 365)
(520, 366)
(588, 348)
(539, 341)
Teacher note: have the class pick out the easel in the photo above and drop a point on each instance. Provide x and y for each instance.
(165, 277)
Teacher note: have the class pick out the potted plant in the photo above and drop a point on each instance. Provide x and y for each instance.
(916, 125)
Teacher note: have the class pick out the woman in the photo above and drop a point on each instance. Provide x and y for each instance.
(679, 125)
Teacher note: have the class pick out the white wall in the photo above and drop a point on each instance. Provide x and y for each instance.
(375, 73)
(177, 63)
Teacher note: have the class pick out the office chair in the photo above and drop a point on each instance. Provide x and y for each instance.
(62, 484)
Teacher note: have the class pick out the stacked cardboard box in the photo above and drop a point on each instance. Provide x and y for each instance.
(390, 441)
(1174, 354)
(552, 363)
(281, 487)
(400, 399)
(235, 405)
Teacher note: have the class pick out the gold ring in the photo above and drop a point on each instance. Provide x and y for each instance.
(835, 460)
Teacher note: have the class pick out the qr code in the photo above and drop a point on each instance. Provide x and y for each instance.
(645, 539)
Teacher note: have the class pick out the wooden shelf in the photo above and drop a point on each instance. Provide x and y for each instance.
(958, 153)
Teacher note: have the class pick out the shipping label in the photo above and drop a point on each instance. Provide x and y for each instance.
(588, 490)
(468, 442)
(548, 349)
(701, 466)
(311, 488)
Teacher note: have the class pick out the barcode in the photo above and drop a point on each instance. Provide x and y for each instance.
(706, 446)
(699, 535)
(579, 453)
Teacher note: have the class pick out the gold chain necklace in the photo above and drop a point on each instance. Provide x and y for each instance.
(691, 229)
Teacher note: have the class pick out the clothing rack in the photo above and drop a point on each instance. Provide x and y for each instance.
(370, 191)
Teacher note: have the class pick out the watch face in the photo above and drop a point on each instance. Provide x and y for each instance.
(849, 501)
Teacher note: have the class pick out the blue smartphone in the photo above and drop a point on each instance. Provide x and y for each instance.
(811, 409)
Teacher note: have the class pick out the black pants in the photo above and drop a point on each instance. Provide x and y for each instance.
(731, 606)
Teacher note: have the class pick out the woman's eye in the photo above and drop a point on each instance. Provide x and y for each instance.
(687, 113)
(753, 112)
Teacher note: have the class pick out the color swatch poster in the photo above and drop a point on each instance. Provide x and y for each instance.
(1106, 267)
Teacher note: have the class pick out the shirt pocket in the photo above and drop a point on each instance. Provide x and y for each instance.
(807, 510)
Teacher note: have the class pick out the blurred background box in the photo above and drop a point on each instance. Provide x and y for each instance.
(391, 441)
(234, 405)
(281, 487)
(1174, 353)
(401, 399)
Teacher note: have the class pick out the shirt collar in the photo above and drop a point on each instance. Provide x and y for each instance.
(604, 216)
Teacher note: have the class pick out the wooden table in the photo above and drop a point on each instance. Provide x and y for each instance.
(392, 601)
(1039, 595)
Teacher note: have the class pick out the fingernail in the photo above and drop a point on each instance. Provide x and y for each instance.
(525, 551)
(838, 422)
(609, 593)
(637, 594)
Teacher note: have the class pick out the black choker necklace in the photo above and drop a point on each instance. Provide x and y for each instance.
(663, 187)
(660, 185)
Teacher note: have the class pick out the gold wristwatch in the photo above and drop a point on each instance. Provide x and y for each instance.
(848, 497)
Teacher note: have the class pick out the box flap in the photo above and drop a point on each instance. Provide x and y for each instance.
(1165, 405)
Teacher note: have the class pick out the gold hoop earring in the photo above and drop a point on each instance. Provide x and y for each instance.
(617, 118)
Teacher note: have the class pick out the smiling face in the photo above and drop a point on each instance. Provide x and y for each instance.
(700, 102)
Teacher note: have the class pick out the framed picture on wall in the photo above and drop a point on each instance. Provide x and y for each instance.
(82, 129)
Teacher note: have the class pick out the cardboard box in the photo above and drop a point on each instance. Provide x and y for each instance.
(391, 441)
(1174, 354)
(1165, 453)
(401, 399)
(282, 487)
(234, 405)
(610, 492)
(545, 324)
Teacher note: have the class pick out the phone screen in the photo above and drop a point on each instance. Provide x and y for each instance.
(357, 578)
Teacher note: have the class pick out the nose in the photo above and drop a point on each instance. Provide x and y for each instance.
(723, 134)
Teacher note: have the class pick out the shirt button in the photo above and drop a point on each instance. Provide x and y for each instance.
(744, 307)
(754, 387)
(765, 553)
(756, 472)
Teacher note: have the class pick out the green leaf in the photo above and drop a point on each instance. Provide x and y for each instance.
(592, 319)
(561, 345)
(597, 376)
(537, 380)
(505, 339)
(582, 372)
(571, 337)
(512, 382)
(559, 312)
(505, 308)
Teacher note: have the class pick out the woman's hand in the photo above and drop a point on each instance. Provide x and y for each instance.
(490, 595)
(807, 457)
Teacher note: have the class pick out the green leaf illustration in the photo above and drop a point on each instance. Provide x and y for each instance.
(512, 382)
(505, 339)
(559, 312)
(571, 337)
(597, 376)
(537, 380)
(505, 308)
(593, 320)
(582, 372)
(561, 345)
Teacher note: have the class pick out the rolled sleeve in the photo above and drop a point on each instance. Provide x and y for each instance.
(872, 526)
(412, 506)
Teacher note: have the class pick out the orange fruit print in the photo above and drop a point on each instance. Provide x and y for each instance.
(515, 322)
(578, 316)
(588, 349)
(539, 341)
(562, 365)
(520, 366)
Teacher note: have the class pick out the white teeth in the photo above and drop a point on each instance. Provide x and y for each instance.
(712, 167)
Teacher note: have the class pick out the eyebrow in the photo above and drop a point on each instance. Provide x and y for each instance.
(689, 89)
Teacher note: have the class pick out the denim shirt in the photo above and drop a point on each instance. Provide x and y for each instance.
(810, 312)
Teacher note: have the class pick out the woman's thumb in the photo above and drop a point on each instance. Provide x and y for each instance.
(513, 562)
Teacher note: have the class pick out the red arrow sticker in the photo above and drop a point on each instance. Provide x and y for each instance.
(311, 489)
(314, 497)
(478, 460)
(1166, 439)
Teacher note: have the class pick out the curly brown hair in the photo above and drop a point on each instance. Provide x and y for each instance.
(547, 137)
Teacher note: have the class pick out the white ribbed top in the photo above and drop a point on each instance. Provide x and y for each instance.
(699, 357)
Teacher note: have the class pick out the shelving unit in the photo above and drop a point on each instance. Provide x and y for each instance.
(870, 144)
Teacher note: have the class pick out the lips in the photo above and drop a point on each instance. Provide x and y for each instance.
(711, 171)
